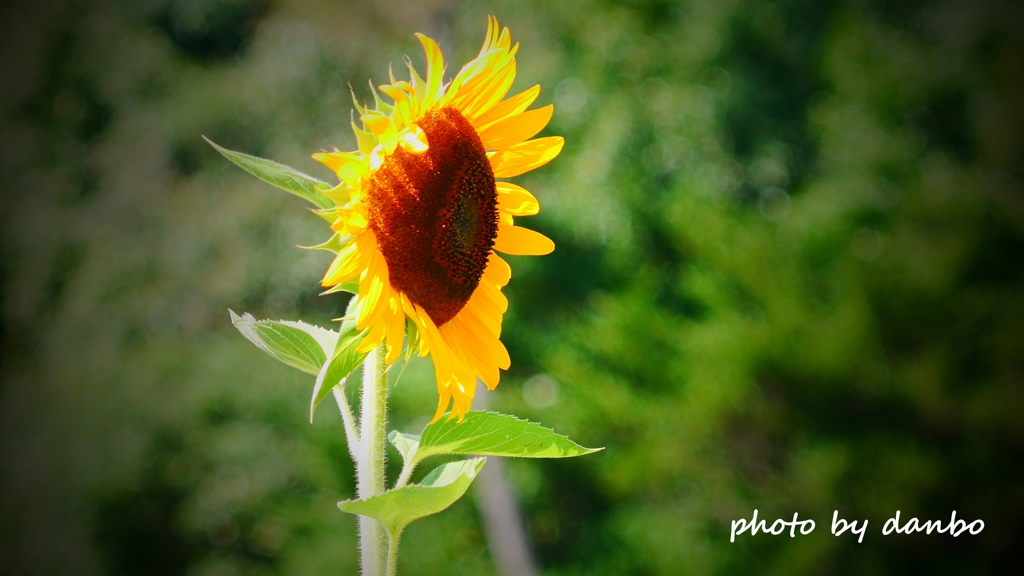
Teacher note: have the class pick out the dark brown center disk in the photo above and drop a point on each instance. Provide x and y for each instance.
(435, 215)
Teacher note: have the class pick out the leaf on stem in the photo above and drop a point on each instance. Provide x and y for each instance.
(439, 490)
(284, 177)
(344, 359)
(296, 344)
(493, 434)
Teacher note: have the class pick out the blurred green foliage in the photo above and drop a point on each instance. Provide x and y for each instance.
(789, 277)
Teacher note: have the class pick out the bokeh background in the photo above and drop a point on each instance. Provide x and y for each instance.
(789, 276)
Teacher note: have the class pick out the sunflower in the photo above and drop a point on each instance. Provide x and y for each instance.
(424, 216)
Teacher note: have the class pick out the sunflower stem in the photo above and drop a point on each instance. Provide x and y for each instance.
(370, 470)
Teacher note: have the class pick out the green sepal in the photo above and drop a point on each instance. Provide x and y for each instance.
(418, 85)
(493, 434)
(340, 195)
(350, 286)
(284, 177)
(329, 214)
(383, 107)
(367, 141)
(439, 490)
(355, 101)
(334, 244)
(296, 344)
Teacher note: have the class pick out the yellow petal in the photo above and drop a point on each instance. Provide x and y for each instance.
(482, 314)
(435, 69)
(463, 382)
(439, 351)
(395, 330)
(444, 398)
(503, 359)
(515, 129)
(498, 270)
(488, 92)
(478, 341)
(372, 290)
(494, 298)
(483, 337)
(486, 310)
(522, 241)
(513, 105)
(527, 156)
(516, 200)
(483, 82)
(413, 315)
(491, 38)
(378, 124)
(373, 338)
(474, 356)
(336, 160)
(346, 265)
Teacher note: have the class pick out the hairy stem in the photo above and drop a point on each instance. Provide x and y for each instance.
(370, 471)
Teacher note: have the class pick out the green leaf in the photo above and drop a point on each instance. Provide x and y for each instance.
(327, 339)
(493, 434)
(344, 359)
(439, 490)
(405, 443)
(284, 177)
(297, 344)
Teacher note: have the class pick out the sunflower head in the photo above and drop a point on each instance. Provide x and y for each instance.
(422, 212)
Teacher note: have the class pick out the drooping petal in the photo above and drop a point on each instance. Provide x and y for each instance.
(494, 296)
(465, 346)
(439, 352)
(444, 398)
(494, 351)
(395, 319)
(483, 314)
